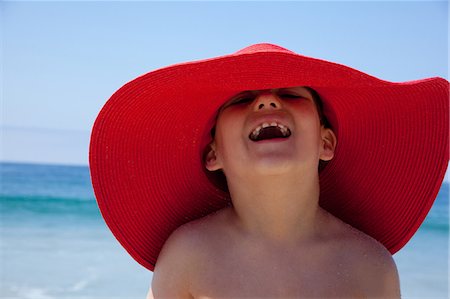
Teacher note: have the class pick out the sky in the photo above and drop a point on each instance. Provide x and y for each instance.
(61, 61)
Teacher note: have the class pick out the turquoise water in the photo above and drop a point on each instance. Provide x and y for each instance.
(54, 243)
(46, 191)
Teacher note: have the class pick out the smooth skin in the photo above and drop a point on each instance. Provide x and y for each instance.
(275, 241)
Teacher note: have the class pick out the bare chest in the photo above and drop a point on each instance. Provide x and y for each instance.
(257, 275)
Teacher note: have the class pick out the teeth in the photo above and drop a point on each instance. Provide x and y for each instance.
(255, 133)
(284, 130)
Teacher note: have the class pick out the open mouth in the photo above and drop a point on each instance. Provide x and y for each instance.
(267, 131)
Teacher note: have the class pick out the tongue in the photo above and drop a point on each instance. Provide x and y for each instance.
(270, 133)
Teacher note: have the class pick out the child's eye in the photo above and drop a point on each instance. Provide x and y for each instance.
(242, 100)
(290, 96)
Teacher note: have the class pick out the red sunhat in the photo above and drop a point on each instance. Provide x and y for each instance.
(148, 140)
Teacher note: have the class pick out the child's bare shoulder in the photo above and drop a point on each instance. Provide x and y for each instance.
(362, 246)
(368, 259)
(182, 257)
(193, 240)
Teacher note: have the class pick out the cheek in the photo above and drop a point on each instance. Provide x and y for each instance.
(230, 120)
(228, 132)
(308, 107)
(308, 125)
(307, 117)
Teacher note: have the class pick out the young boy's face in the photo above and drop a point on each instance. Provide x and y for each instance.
(270, 132)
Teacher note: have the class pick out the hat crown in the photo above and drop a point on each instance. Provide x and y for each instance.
(263, 47)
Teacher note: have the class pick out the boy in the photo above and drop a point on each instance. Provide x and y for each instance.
(276, 232)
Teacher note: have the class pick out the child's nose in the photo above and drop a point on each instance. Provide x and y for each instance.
(266, 100)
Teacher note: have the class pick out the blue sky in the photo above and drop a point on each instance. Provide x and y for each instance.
(62, 60)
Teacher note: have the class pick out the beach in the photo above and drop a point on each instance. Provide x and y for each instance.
(54, 243)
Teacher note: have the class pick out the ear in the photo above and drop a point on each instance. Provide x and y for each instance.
(211, 161)
(329, 141)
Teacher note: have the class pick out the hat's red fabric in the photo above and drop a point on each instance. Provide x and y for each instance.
(147, 144)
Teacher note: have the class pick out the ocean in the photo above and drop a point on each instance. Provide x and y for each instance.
(54, 243)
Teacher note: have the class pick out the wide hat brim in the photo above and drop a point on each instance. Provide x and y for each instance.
(148, 140)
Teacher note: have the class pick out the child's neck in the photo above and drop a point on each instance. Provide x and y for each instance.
(278, 208)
